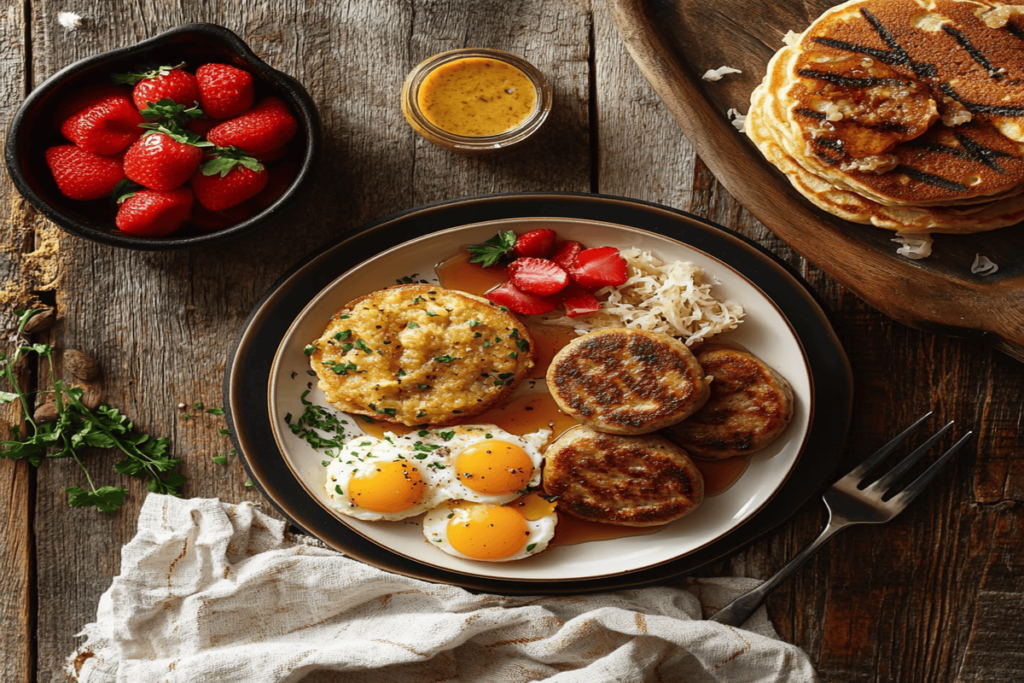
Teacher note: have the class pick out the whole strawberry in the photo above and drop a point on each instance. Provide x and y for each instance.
(162, 83)
(83, 175)
(264, 128)
(154, 213)
(228, 179)
(107, 125)
(224, 91)
(164, 159)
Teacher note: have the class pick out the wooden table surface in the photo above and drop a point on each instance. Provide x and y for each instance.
(936, 595)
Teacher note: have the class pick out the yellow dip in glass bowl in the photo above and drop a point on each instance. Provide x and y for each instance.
(476, 100)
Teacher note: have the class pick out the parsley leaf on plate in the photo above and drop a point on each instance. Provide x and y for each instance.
(490, 252)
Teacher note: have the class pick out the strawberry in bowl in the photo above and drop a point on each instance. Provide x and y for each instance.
(131, 122)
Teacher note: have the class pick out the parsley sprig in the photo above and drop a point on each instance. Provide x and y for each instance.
(491, 251)
(78, 428)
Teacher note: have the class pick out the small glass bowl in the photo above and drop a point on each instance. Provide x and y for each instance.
(482, 144)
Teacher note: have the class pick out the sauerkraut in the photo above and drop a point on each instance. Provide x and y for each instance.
(674, 298)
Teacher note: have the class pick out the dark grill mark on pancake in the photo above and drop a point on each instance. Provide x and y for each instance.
(847, 81)
(929, 179)
(974, 52)
(810, 113)
(831, 143)
(980, 108)
(971, 151)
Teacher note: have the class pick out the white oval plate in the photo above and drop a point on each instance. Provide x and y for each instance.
(765, 332)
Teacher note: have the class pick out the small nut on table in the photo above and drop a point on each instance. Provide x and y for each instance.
(80, 364)
(47, 412)
(92, 395)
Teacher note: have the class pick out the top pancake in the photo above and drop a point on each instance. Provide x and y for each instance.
(891, 76)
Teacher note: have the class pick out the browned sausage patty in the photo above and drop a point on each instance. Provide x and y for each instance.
(623, 381)
(626, 480)
(750, 406)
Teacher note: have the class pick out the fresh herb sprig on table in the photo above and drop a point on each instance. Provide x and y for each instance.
(78, 428)
(492, 251)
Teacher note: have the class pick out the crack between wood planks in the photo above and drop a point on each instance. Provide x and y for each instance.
(595, 147)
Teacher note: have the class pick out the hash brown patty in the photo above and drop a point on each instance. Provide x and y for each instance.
(624, 480)
(421, 354)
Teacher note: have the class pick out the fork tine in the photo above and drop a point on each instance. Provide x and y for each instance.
(885, 483)
(903, 498)
(858, 473)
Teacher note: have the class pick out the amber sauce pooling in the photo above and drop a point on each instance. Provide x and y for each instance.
(477, 97)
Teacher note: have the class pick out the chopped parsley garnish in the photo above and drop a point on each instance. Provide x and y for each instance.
(361, 345)
(400, 373)
(523, 345)
(315, 420)
(447, 436)
(309, 349)
(513, 355)
(343, 335)
(490, 252)
(337, 489)
(227, 432)
(220, 459)
(412, 325)
(215, 411)
(424, 387)
(530, 547)
(431, 313)
(474, 323)
(446, 359)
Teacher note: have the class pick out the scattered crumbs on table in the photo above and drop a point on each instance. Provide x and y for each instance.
(717, 74)
(69, 20)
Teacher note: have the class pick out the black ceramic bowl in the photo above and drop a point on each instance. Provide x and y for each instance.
(32, 130)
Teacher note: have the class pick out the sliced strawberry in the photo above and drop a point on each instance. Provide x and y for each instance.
(566, 253)
(519, 301)
(536, 243)
(579, 302)
(599, 267)
(537, 276)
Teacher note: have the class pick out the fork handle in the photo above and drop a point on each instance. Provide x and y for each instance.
(740, 609)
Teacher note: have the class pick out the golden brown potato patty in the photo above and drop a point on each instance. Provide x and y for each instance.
(750, 406)
(624, 381)
(420, 354)
(626, 480)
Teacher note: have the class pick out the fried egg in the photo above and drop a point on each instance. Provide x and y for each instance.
(401, 476)
(485, 532)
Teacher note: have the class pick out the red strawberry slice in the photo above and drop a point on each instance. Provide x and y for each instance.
(579, 302)
(536, 243)
(537, 276)
(599, 267)
(106, 125)
(154, 213)
(83, 175)
(520, 302)
(228, 180)
(162, 160)
(224, 91)
(264, 128)
(566, 253)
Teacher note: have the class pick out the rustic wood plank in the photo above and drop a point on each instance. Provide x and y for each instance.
(19, 284)
(898, 602)
(160, 324)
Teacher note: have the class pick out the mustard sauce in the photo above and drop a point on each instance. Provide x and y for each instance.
(477, 97)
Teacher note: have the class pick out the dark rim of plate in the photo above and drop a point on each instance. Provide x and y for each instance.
(16, 147)
(250, 359)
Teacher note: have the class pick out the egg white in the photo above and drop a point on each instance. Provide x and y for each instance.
(435, 528)
(471, 435)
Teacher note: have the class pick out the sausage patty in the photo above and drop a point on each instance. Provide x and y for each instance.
(750, 406)
(624, 381)
(625, 480)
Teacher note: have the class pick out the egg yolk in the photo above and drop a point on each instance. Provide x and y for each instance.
(489, 532)
(494, 467)
(387, 487)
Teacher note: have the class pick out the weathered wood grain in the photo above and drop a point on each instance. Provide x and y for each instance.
(923, 598)
(160, 324)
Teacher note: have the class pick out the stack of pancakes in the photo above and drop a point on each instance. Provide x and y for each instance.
(902, 114)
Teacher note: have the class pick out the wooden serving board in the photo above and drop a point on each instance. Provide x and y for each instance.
(676, 41)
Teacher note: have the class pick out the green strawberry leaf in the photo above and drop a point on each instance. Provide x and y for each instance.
(133, 78)
(175, 132)
(125, 190)
(167, 108)
(226, 158)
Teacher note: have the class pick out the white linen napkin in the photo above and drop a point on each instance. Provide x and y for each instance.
(210, 591)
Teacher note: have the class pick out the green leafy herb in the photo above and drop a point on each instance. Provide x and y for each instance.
(249, 483)
(226, 158)
(318, 427)
(78, 428)
(530, 547)
(490, 252)
(412, 325)
(446, 359)
(309, 350)
(220, 459)
(361, 345)
(342, 335)
(215, 411)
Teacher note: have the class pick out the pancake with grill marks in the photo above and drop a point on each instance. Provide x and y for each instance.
(625, 381)
(866, 79)
(625, 480)
(750, 406)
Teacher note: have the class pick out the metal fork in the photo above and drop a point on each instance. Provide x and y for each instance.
(851, 501)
